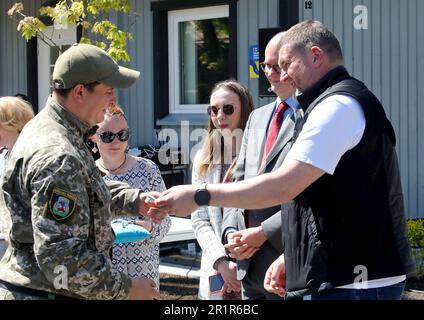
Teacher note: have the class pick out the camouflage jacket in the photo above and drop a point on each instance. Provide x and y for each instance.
(57, 211)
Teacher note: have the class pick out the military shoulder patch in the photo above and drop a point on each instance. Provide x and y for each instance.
(61, 204)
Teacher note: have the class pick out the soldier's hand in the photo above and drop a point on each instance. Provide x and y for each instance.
(146, 224)
(146, 201)
(143, 288)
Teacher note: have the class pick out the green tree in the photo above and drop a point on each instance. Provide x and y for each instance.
(91, 15)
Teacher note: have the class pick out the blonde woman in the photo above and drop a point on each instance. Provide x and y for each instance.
(140, 259)
(14, 114)
(230, 106)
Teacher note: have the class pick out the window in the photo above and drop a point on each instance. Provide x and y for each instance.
(168, 105)
(198, 44)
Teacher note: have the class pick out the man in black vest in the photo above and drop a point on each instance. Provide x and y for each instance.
(344, 226)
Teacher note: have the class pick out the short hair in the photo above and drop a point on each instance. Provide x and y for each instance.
(14, 113)
(22, 96)
(307, 34)
(65, 92)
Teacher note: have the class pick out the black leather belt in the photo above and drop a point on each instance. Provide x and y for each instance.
(33, 292)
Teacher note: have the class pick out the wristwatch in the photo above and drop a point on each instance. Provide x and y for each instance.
(202, 196)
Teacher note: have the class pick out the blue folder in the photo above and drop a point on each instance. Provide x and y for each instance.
(126, 232)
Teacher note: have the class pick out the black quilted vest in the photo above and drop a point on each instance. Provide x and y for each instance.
(353, 220)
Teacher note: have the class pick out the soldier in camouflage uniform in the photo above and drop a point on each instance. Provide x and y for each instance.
(56, 206)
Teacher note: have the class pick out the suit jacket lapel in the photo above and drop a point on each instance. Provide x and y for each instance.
(284, 136)
(262, 126)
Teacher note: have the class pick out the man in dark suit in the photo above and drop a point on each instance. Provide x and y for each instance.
(266, 141)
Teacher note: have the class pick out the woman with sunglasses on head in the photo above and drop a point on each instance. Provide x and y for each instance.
(230, 106)
(14, 114)
(137, 258)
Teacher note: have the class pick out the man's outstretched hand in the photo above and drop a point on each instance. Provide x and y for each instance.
(177, 201)
(147, 201)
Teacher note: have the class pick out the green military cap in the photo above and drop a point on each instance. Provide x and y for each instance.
(86, 63)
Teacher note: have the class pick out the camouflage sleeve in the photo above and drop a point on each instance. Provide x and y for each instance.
(70, 232)
(124, 199)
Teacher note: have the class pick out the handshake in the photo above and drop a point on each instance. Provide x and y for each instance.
(177, 201)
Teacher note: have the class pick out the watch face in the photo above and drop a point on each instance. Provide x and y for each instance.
(202, 197)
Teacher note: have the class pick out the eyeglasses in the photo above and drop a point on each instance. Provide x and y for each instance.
(228, 109)
(108, 137)
(266, 67)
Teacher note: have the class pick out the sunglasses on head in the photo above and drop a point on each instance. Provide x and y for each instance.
(108, 137)
(228, 109)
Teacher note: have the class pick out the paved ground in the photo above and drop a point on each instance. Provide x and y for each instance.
(414, 289)
(412, 295)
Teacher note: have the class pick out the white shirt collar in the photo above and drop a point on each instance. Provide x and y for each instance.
(292, 102)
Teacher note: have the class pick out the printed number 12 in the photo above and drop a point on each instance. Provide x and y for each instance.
(308, 4)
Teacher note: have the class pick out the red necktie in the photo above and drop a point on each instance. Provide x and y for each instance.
(274, 128)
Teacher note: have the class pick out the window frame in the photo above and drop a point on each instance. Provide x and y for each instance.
(60, 37)
(160, 11)
(174, 18)
(32, 62)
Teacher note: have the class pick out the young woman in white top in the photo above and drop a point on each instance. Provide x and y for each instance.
(230, 106)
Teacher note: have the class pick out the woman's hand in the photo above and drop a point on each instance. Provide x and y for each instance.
(228, 270)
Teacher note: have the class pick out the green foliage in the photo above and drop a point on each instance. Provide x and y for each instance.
(117, 39)
(81, 12)
(416, 239)
(30, 26)
(63, 13)
(416, 233)
(97, 6)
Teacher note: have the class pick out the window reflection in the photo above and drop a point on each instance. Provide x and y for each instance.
(203, 58)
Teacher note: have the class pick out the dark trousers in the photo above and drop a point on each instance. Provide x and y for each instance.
(393, 292)
(253, 285)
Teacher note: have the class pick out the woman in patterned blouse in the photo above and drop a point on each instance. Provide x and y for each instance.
(230, 106)
(139, 259)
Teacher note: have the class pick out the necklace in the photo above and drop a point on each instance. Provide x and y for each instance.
(120, 166)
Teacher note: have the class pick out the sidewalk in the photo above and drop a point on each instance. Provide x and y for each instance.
(179, 270)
